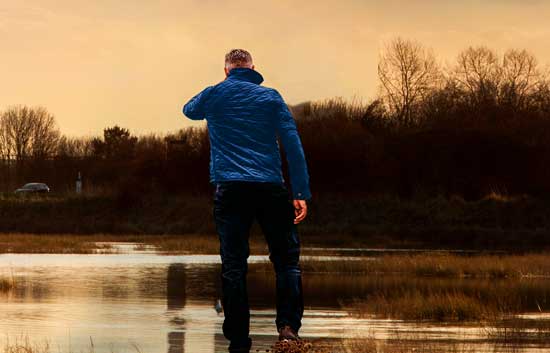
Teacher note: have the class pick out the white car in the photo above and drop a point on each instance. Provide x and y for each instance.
(33, 188)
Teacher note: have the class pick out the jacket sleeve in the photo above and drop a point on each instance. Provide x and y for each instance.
(297, 166)
(195, 108)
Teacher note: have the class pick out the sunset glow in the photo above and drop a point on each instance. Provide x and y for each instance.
(94, 64)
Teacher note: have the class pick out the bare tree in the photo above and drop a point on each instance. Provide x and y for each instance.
(478, 73)
(487, 79)
(521, 77)
(74, 147)
(407, 72)
(5, 146)
(28, 132)
(45, 134)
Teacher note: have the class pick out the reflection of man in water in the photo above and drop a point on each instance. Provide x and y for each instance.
(176, 298)
(244, 120)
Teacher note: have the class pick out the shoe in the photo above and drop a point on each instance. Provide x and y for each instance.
(287, 333)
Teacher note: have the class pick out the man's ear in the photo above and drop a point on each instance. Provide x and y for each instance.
(226, 71)
(252, 67)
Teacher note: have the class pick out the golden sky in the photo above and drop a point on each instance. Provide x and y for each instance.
(134, 63)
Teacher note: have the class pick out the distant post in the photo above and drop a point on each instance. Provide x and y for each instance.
(79, 184)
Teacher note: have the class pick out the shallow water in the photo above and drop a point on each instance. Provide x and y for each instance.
(163, 303)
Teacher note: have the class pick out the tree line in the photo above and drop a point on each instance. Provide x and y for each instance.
(476, 126)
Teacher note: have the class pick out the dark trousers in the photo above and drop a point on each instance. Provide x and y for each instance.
(236, 205)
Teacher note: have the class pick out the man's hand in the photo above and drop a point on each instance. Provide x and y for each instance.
(300, 210)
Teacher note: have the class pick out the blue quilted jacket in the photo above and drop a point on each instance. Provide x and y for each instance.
(244, 120)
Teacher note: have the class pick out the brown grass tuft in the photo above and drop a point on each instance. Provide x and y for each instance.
(6, 284)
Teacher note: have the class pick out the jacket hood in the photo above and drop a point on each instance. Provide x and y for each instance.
(246, 74)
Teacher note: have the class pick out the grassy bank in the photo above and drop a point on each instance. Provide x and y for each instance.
(496, 222)
(53, 244)
(24, 243)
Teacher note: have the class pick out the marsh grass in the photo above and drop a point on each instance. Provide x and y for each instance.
(449, 299)
(94, 243)
(86, 244)
(22, 344)
(433, 306)
(55, 244)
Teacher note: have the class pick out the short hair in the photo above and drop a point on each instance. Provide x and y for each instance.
(238, 58)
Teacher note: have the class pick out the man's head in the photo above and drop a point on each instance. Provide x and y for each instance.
(237, 58)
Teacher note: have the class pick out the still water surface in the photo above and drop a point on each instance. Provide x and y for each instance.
(163, 303)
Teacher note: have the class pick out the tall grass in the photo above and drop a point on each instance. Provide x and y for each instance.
(95, 243)
(408, 298)
(414, 305)
(25, 345)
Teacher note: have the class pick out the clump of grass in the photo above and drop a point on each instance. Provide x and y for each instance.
(435, 306)
(410, 298)
(449, 265)
(25, 345)
(6, 284)
(22, 344)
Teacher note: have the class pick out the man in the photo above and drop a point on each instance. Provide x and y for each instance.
(244, 120)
